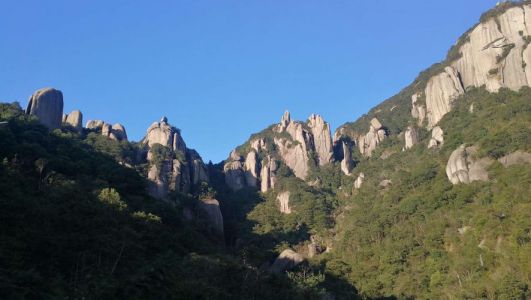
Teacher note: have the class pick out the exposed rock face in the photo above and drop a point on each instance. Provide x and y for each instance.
(462, 167)
(294, 155)
(368, 142)
(484, 51)
(177, 173)
(359, 181)
(258, 144)
(418, 111)
(47, 105)
(437, 138)
(518, 157)
(211, 209)
(288, 259)
(346, 162)
(251, 169)
(321, 138)
(74, 119)
(441, 92)
(268, 174)
(234, 172)
(411, 137)
(283, 199)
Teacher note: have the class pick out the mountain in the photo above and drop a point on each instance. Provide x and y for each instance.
(426, 196)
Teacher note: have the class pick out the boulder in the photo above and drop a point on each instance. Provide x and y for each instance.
(210, 208)
(47, 105)
(119, 132)
(288, 259)
(94, 124)
(251, 169)
(518, 157)
(437, 138)
(283, 199)
(367, 143)
(463, 167)
(294, 155)
(411, 137)
(74, 119)
(385, 183)
(359, 181)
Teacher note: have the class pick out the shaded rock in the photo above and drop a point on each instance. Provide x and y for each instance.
(119, 132)
(234, 173)
(294, 155)
(47, 105)
(518, 157)
(283, 199)
(211, 209)
(287, 260)
(462, 167)
(164, 134)
(198, 170)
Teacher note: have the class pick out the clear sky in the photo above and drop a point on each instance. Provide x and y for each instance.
(221, 70)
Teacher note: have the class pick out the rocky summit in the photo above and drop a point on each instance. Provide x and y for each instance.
(425, 196)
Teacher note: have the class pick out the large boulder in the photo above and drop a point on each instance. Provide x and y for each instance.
(464, 167)
(74, 119)
(359, 181)
(518, 157)
(47, 105)
(411, 137)
(367, 143)
(288, 259)
(210, 208)
(437, 138)
(118, 130)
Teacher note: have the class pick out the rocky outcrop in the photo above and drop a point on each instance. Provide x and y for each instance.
(346, 163)
(287, 260)
(441, 91)
(115, 132)
(74, 119)
(493, 54)
(234, 172)
(518, 157)
(418, 111)
(283, 199)
(179, 170)
(463, 167)
(47, 105)
(437, 138)
(251, 169)
(294, 155)
(359, 181)
(322, 139)
(268, 174)
(210, 208)
(258, 145)
(367, 143)
(411, 137)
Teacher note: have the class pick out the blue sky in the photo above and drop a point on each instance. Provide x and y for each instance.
(221, 70)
